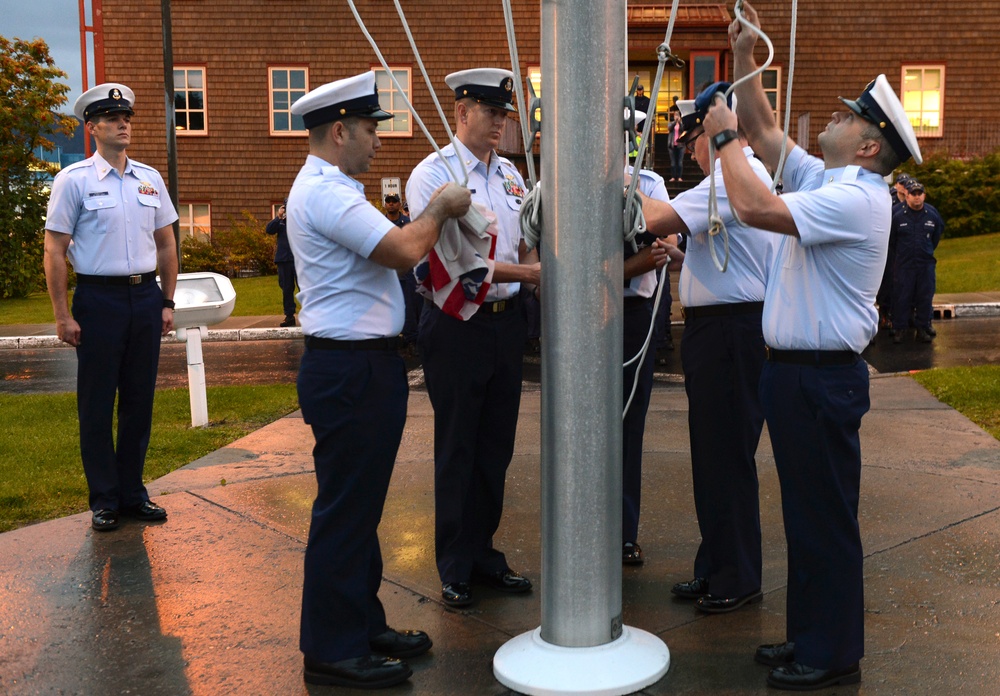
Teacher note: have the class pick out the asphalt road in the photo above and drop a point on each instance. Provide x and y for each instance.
(964, 341)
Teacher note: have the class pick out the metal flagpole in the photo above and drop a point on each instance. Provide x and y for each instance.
(582, 647)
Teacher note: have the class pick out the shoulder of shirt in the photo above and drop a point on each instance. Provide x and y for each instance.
(145, 167)
(77, 166)
(504, 162)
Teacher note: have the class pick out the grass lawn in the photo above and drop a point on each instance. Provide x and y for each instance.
(259, 296)
(41, 476)
(972, 391)
(969, 264)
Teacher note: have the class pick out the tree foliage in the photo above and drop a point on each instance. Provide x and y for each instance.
(29, 97)
(966, 192)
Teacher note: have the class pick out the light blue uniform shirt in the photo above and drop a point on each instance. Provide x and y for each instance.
(651, 185)
(751, 251)
(111, 218)
(333, 229)
(821, 292)
(499, 187)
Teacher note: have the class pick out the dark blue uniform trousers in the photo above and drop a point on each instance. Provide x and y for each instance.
(287, 282)
(813, 417)
(473, 372)
(355, 403)
(913, 288)
(636, 320)
(119, 352)
(722, 359)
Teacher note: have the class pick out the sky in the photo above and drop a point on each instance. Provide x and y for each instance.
(58, 23)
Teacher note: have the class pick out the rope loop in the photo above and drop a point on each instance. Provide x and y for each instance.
(531, 216)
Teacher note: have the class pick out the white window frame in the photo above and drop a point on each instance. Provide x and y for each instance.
(185, 211)
(918, 102)
(187, 90)
(291, 95)
(776, 91)
(401, 123)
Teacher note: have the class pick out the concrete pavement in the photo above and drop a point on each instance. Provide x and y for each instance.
(208, 602)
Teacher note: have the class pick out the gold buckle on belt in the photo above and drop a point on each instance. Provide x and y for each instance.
(135, 279)
(498, 306)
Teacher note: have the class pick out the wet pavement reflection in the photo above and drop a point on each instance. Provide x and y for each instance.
(960, 342)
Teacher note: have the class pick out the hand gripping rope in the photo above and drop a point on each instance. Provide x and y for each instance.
(716, 224)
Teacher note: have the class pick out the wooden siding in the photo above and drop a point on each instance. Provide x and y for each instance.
(239, 166)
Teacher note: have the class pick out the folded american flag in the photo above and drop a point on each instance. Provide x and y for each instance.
(458, 271)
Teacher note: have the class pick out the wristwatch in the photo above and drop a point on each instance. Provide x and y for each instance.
(720, 139)
(168, 304)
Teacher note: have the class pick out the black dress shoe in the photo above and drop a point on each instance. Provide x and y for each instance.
(505, 581)
(631, 553)
(104, 520)
(775, 654)
(146, 511)
(456, 594)
(400, 644)
(289, 321)
(369, 672)
(692, 589)
(721, 605)
(798, 677)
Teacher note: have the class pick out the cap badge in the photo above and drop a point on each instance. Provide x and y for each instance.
(116, 93)
(508, 84)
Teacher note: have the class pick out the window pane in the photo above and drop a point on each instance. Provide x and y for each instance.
(197, 121)
(178, 79)
(297, 123)
(180, 100)
(195, 79)
(279, 79)
(296, 96)
(280, 101)
(704, 71)
(280, 121)
(181, 121)
(298, 79)
(769, 79)
(196, 100)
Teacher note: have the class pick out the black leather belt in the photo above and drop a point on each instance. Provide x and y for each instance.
(386, 343)
(722, 310)
(136, 279)
(498, 306)
(813, 357)
(634, 300)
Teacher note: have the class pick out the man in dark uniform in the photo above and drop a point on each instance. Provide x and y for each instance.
(915, 233)
(352, 382)
(285, 262)
(112, 217)
(473, 368)
(819, 314)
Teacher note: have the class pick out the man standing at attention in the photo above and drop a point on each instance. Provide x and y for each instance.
(112, 218)
(352, 382)
(916, 231)
(473, 368)
(819, 314)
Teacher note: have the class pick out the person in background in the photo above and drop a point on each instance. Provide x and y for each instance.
(285, 262)
(676, 148)
(352, 383)
(915, 233)
(111, 217)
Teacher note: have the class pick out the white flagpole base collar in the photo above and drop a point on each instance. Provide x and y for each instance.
(529, 665)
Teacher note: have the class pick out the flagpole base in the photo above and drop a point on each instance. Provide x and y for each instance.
(529, 665)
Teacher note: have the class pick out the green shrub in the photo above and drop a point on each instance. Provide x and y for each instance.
(966, 192)
(239, 250)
